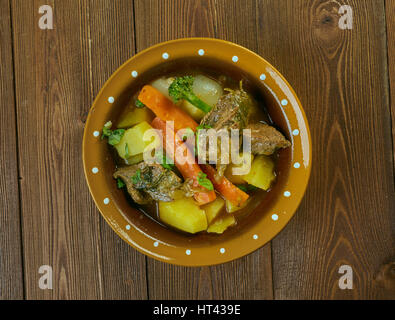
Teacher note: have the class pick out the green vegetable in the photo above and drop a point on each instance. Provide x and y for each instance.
(181, 88)
(114, 136)
(127, 151)
(247, 188)
(165, 161)
(120, 183)
(139, 104)
(204, 182)
(188, 133)
(136, 177)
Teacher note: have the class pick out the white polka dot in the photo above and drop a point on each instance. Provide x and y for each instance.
(222, 250)
(201, 52)
(127, 227)
(188, 252)
(284, 102)
(111, 99)
(106, 201)
(255, 236)
(165, 56)
(296, 165)
(96, 133)
(274, 217)
(295, 132)
(134, 74)
(156, 243)
(262, 76)
(287, 194)
(235, 58)
(95, 170)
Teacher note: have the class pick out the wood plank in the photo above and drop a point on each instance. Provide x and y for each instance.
(11, 279)
(390, 26)
(339, 75)
(246, 278)
(123, 267)
(56, 80)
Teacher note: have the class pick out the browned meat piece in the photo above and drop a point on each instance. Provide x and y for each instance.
(231, 112)
(266, 139)
(147, 182)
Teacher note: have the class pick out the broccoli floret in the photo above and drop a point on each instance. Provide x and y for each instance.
(181, 88)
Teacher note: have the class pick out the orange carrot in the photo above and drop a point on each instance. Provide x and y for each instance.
(190, 169)
(165, 109)
(225, 187)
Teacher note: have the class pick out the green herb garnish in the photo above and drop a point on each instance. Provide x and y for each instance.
(139, 104)
(114, 136)
(120, 183)
(247, 187)
(204, 181)
(165, 161)
(136, 177)
(188, 132)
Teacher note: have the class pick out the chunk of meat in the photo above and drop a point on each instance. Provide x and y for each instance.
(147, 182)
(232, 111)
(265, 139)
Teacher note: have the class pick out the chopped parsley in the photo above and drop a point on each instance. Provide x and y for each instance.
(139, 104)
(165, 161)
(136, 177)
(204, 181)
(114, 136)
(247, 187)
(120, 183)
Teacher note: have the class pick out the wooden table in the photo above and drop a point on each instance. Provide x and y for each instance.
(345, 80)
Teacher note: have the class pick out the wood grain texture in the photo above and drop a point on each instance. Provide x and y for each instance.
(390, 23)
(11, 280)
(57, 74)
(346, 217)
(246, 278)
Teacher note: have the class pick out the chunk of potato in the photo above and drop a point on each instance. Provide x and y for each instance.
(133, 138)
(183, 214)
(243, 169)
(262, 172)
(132, 116)
(230, 207)
(221, 224)
(207, 89)
(213, 209)
(135, 159)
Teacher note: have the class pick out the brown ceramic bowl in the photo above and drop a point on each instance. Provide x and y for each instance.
(274, 211)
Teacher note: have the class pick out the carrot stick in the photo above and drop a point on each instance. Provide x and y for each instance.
(225, 187)
(165, 109)
(190, 169)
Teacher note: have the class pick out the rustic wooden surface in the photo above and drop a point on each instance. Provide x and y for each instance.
(345, 80)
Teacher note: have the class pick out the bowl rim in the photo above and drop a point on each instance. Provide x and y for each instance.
(255, 240)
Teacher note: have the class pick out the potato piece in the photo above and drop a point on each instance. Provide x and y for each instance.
(135, 159)
(189, 108)
(243, 168)
(221, 224)
(207, 89)
(213, 209)
(162, 85)
(133, 137)
(183, 214)
(134, 116)
(262, 172)
(230, 207)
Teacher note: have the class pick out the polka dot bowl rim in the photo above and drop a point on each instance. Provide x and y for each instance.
(241, 244)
